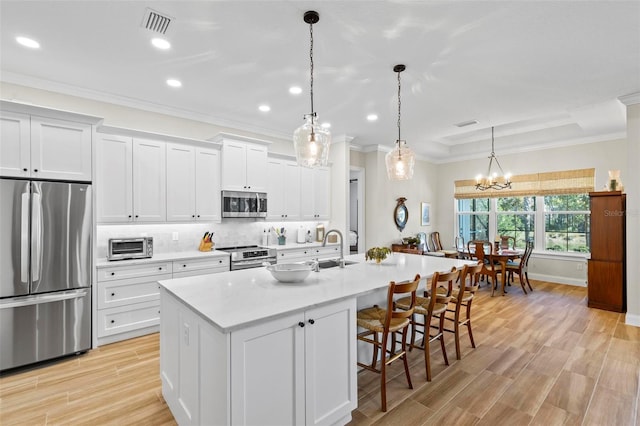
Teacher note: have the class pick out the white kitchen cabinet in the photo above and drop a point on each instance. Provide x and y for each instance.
(193, 183)
(128, 304)
(114, 179)
(244, 166)
(192, 267)
(283, 188)
(131, 184)
(314, 193)
(295, 369)
(301, 254)
(44, 148)
(149, 181)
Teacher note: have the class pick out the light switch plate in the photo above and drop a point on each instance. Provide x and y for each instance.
(175, 236)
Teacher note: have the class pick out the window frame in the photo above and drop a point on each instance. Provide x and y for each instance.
(539, 226)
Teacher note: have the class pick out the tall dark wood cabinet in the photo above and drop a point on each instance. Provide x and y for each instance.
(607, 283)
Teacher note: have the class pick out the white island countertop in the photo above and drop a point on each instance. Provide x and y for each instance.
(233, 300)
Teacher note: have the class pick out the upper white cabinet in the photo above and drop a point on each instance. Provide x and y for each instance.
(314, 193)
(244, 163)
(149, 181)
(193, 183)
(114, 179)
(283, 188)
(131, 184)
(43, 147)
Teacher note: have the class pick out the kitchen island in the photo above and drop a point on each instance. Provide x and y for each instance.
(242, 348)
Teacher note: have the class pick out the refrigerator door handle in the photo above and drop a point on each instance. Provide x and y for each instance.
(24, 239)
(36, 237)
(18, 302)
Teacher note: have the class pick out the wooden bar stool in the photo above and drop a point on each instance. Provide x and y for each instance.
(388, 322)
(462, 297)
(431, 307)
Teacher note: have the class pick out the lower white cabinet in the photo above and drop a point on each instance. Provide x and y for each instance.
(128, 296)
(296, 369)
(308, 253)
(192, 267)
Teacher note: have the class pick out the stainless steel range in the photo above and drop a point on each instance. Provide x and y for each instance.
(245, 257)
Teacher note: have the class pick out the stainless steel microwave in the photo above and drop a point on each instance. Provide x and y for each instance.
(244, 204)
(130, 248)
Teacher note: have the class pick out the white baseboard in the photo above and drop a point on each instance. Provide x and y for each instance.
(558, 280)
(631, 319)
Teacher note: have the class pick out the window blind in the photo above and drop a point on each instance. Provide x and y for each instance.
(548, 183)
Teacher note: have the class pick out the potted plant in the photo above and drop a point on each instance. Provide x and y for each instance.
(411, 240)
(377, 253)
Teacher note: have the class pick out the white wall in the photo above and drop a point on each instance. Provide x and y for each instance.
(381, 196)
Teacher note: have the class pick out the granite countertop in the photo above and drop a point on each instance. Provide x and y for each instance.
(233, 300)
(162, 257)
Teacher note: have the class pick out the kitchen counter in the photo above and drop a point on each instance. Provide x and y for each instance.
(162, 257)
(233, 300)
(242, 348)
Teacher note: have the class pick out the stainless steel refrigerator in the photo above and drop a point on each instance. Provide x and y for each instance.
(45, 270)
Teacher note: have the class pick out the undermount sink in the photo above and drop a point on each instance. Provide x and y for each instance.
(324, 264)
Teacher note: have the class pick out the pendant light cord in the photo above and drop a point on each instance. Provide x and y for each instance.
(399, 104)
(313, 114)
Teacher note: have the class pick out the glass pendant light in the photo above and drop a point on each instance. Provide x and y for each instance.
(401, 160)
(493, 180)
(311, 141)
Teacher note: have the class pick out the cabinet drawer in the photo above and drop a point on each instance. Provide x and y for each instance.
(294, 255)
(134, 271)
(128, 318)
(221, 263)
(117, 293)
(326, 252)
(200, 272)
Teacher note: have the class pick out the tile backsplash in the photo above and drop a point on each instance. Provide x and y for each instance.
(232, 232)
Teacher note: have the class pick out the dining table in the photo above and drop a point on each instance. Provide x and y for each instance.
(501, 255)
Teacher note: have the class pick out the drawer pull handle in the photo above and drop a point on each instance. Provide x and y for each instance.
(312, 321)
(113, 321)
(25, 169)
(113, 273)
(113, 294)
(160, 268)
(301, 324)
(184, 266)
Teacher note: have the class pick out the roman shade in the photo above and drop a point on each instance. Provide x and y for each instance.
(549, 183)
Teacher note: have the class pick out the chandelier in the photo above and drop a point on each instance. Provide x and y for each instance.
(311, 141)
(493, 180)
(401, 159)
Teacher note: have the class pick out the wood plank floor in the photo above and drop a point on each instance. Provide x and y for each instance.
(541, 359)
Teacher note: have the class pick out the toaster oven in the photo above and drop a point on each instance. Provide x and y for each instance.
(130, 248)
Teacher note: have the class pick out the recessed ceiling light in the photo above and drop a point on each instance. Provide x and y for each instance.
(161, 43)
(174, 83)
(372, 117)
(264, 108)
(467, 123)
(325, 125)
(27, 42)
(295, 90)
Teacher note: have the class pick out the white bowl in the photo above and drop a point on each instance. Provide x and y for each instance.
(290, 272)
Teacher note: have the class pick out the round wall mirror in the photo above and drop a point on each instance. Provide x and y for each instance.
(401, 214)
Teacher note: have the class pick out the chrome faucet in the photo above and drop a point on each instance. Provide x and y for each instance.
(324, 243)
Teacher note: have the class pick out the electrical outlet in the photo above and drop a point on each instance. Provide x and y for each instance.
(580, 266)
(175, 236)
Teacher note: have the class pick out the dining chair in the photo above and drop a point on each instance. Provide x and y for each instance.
(430, 307)
(520, 267)
(388, 322)
(507, 242)
(460, 247)
(437, 246)
(461, 297)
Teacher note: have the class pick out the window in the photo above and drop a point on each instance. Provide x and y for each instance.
(516, 218)
(566, 223)
(473, 219)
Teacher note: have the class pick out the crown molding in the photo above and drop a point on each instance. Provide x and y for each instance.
(630, 99)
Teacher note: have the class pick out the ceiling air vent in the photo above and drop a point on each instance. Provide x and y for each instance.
(155, 21)
(467, 123)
